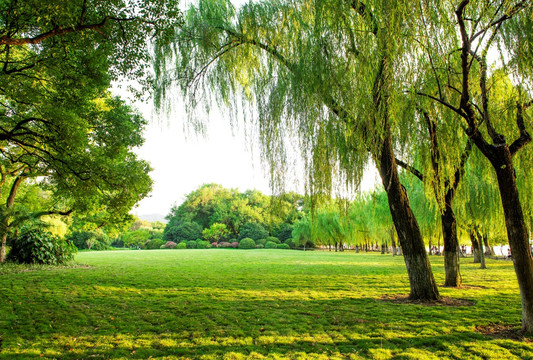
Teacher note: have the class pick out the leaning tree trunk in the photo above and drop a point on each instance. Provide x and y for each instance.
(475, 247)
(488, 249)
(451, 247)
(421, 280)
(516, 233)
(393, 242)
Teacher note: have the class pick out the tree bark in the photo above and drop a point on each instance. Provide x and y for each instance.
(10, 202)
(475, 247)
(451, 247)
(421, 280)
(393, 242)
(516, 233)
(488, 249)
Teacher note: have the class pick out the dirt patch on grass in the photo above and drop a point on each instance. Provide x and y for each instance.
(443, 301)
(504, 331)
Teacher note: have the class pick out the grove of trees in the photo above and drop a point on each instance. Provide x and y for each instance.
(401, 83)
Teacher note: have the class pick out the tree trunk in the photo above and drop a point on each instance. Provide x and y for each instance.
(475, 247)
(451, 247)
(517, 235)
(10, 202)
(421, 280)
(481, 251)
(393, 242)
(488, 249)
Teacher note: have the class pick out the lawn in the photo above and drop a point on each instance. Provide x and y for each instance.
(251, 304)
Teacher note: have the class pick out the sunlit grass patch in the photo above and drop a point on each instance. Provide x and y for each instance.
(265, 304)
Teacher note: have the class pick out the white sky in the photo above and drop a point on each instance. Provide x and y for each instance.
(182, 163)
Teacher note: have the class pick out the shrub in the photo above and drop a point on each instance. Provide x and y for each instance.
(261, 242)
(224, 244)
(282, 246)
(273, 239)
(284, 232)
(170, 244)
(181, 245)
(203, 244)
(290, 242)
(259, 246)
(253, 231)
(184, 231)
(162, 246)
(191, 244)
(234, 245)
(155, 244)
(40, 247)
(215, 244)
(271, 245)
(247, 243)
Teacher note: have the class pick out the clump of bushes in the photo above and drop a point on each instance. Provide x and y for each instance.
(155, 244)
(271, 245)
(191, 244)
(170, 244)
(273, 239)
(282, 246)
(41, 247)
(224, 244)
(261, 242)
(247, 243)
(181, 245)
(259, 246)
(234, 244)
(201, 244)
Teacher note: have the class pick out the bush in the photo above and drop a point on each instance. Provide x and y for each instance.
(163, 246)
(155, 244)
(290, 242)
(181, 245)
(191, 244)
(261, 242)
(273, 239)
(282, 246)
(271, 245)
(40, 247)
(170, 244)
(184, 231)
(92, 240)
(284, 232)
(259, 246)
(235, 245)
(247, 243)
(203, 244)
(224, 244)
(253, 231)
(215, 244)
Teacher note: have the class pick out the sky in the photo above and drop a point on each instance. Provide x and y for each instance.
(182, 162)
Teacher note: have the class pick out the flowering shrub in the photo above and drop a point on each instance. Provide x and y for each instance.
(224, 244)
(235, 245)
(170, 245)
(215, 244)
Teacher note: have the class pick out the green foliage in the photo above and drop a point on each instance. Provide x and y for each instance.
(202, 244)
(181, 245)
(261, 242)
(247, 243)
(172, 244)
(40, 247)
(184, 231)
(92, 240)
(136, 238)
(190, 244)
(273, 239)
(290, 243)
(253, 231)
(215, 232)
(155, 244)
(271, 245)
(283, 246)
(284, 232)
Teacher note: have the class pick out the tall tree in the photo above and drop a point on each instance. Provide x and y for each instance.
(311, 79)
(476, 29)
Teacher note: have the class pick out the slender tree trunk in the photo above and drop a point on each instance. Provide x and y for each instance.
(421, 280)
(481, 250)
(393, 241)
(430, 248)
(10, 202)
(475, 247)
(451, 247)
(488, 249)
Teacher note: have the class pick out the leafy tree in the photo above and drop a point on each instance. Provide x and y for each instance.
(185, 231)
(253, 231)
(59, 124)
(215, 232)
(137, 238)
(311, 78)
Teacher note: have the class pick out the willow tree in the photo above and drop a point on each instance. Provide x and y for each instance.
(468, 33)
(318, 72)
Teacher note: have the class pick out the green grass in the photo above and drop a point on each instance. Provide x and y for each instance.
(249, 304)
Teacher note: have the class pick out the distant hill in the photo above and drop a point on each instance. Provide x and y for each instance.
(152, 217)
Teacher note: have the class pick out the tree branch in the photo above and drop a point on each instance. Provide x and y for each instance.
(410, 168)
